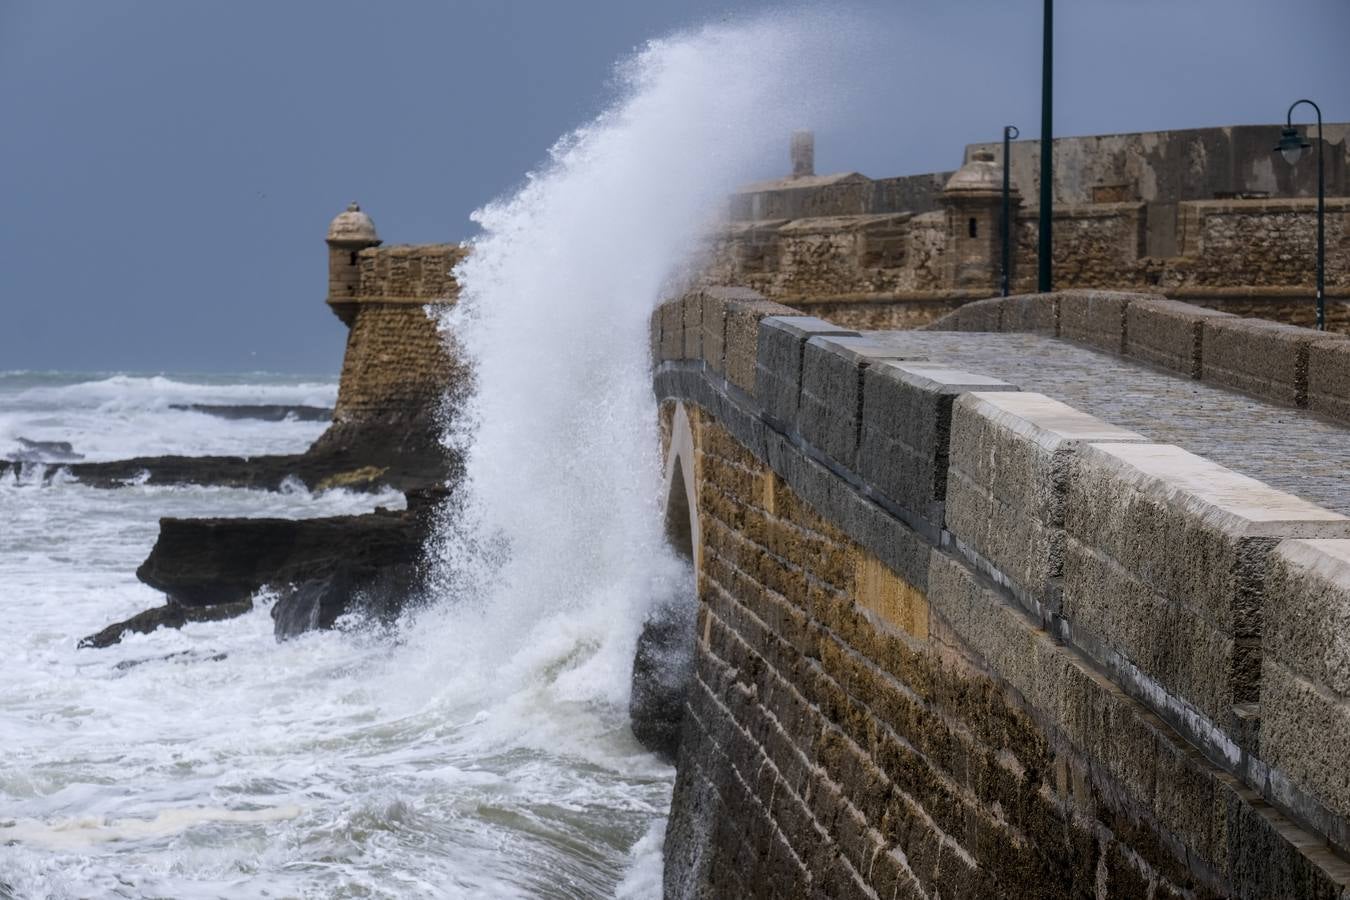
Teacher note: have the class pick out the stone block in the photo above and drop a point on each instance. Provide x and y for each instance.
(672, 330)
(906, 430)
(1007, 478)
(654, 336)
(981, 315)
(1166, 556)
(830, 410)
(1306, 611)
(892, 599)
(1305, 731)
(1095, 318)
(1329, 378)
(691, 314)
(1265, 359)
(714, 327)
(741, 347)
(1031, 314)
(778, 369)
(1167, 333)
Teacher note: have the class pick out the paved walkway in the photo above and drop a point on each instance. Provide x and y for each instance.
(1289, 449)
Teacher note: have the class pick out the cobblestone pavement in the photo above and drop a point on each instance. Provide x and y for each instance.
(1289, 449)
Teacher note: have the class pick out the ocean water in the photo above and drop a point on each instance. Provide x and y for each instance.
(215, 762)
(481, 746)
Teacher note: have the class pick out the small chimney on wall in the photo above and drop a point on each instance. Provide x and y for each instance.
(803, 150)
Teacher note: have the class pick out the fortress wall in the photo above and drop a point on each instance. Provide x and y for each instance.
(1249, 257)
(398, 368)
(396, 363)
(955, 639)
(1096, 246)
(410, 272)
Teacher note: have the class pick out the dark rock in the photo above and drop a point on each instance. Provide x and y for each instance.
(200, 562)
(354, 457)
(171, 615)
(321, 568)
(267, 412)
(662, 670)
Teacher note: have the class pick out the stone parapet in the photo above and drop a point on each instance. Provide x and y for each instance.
(1295, 366)
(905, 439)
(1167, 550)
(1008, 480)
(1305, 676)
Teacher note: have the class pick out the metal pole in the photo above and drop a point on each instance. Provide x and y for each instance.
(1005, 274)
(1321, 229)
(1321, 213)
(1043, 279)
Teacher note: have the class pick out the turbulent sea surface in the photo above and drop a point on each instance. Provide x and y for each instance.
(215, 762)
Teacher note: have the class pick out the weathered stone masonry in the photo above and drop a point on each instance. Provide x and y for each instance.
(961, 640)
(397, 370)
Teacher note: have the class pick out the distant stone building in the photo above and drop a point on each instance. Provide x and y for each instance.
(1208, 215)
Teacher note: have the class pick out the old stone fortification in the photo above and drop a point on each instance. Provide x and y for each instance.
(397, 370)
(1207, 215)
(960, 639)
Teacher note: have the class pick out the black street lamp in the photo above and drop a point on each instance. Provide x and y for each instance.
(1291, 147)
(1009, 132)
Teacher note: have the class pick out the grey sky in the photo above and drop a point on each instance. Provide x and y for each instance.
(167, 169)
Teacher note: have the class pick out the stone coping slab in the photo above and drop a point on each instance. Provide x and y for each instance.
(1224, 498)
(1043, 420)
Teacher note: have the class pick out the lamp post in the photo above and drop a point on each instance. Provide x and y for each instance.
(1047, 154)
(1005, 274)
(1291, 147)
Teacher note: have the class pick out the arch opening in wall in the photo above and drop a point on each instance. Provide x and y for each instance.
(679, 531)
(663, 665)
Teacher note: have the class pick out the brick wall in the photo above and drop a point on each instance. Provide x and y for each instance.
(960, 640)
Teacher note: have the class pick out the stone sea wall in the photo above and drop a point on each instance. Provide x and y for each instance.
(957, 639)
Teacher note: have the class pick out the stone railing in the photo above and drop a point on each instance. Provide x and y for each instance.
(1284, 363)
(964, 640)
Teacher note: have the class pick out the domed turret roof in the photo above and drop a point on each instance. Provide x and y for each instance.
(980, 174)
(352, 226)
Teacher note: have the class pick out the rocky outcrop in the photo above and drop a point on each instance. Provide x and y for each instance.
(354, 458)
(170, 615)
(211, 569)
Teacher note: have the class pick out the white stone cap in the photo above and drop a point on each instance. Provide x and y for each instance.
(1328, 558)
(1228, 500)
(939, 378)
(1042, 419)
